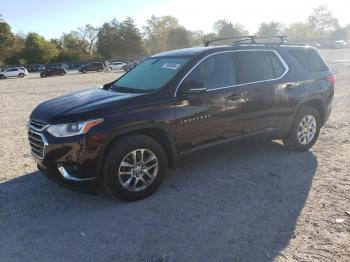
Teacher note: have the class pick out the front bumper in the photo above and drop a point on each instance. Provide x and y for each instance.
(71, 158)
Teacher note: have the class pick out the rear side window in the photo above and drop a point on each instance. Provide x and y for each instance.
(255, 66)
(215, 71)
(310, 59)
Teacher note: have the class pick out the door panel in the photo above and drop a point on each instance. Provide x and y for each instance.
(209, 116)
(206, 118)
(261, 72)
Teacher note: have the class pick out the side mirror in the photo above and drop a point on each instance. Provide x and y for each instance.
(192, 88)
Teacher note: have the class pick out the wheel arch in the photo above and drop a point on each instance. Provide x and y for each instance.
(158, 132)
(317, 103)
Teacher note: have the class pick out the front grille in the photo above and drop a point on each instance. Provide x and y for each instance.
(36, 125)
(36, 138)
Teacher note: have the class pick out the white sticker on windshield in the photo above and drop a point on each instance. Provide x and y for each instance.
(171, 66)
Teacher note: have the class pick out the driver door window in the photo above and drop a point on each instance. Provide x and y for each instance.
(216, 71)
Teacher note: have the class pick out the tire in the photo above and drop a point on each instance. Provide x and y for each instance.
(2, 77)
(297, 140)
(20, 75)
(83, 71)
(43, 75)
(115, 172)
(99, 70)
(62, 74)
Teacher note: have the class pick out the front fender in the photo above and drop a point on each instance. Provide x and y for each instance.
(144, 128)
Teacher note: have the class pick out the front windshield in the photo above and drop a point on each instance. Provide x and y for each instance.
(151, 74)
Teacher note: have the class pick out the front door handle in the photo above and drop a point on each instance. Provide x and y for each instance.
(242, 97)
(234, 97)
(289, 86)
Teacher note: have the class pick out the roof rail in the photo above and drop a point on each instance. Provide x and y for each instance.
(207, 43)
(252, 39)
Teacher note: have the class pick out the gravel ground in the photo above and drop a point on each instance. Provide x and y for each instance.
(251, 201)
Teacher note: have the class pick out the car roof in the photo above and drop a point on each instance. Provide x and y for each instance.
(184, 52)
(194, 51)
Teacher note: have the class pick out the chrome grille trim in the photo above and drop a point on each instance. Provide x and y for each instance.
(37, 140)
(37, 126)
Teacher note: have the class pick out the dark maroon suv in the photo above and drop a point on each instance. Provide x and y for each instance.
(125, 135)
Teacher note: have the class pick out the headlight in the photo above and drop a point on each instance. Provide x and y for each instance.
(73, 129)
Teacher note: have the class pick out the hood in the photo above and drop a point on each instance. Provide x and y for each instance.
(77, 103)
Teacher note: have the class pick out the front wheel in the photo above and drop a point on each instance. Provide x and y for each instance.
(2, 77)
(305, 130)
(134, 168)
(21, 75)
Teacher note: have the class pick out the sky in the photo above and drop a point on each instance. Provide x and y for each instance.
(52, 18)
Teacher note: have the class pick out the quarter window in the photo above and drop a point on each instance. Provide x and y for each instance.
(255, 66)
(310, 59)
(215, 71)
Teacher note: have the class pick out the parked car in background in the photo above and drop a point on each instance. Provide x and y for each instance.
(116, 65)
(130, 66)
(95, 66)
(35, 68)
(54, 71)
(24, 69)
(73, 66)
(339, 44)
(13, 72)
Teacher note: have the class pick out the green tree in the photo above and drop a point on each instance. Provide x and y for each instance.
(6, 40)
(14, 56)
(88, 37)
(341, 33)
(38, 50)
(106, 41)
(208, 37)
(195, 38)
(322, 20)
(301, 32)
(271, 29)
(224, 28)
(74, 48)
(178, 38)
(156, 32)
(119, 39)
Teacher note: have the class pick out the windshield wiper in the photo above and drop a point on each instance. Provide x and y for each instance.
(123, 89)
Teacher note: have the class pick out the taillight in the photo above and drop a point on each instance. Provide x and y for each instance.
(332, 79)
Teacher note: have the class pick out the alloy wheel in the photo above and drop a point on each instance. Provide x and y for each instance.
(138, 170)
(307, 129)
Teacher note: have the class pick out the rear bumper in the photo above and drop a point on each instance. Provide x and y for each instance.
(327, 114)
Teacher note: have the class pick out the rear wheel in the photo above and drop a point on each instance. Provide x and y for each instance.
(99, 70)
(2, 77)
(134, 168)
(43, 75)
(83, 71)
(62, 74)
(305, 130)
